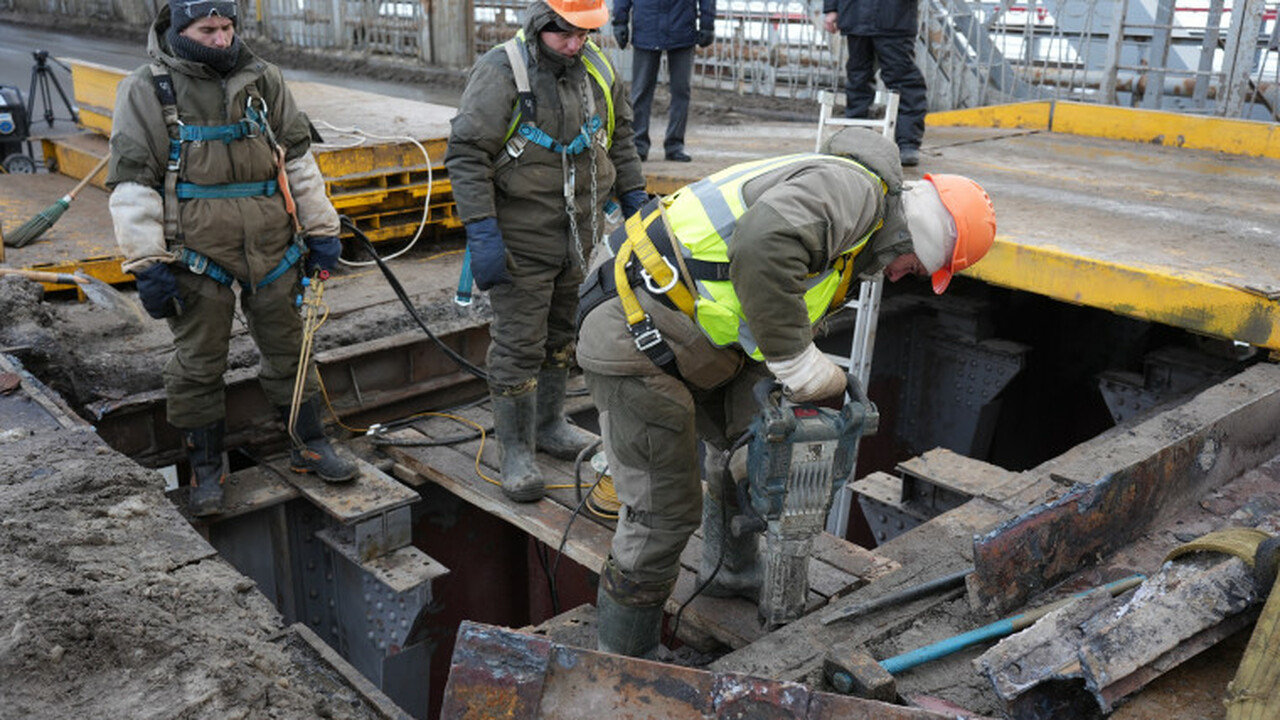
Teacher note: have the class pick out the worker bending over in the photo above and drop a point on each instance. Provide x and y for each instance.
(541, 143)
(207, 148)
(763, 251)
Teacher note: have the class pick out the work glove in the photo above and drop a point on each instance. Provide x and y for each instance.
(632, 201)
(488, 253)
(809, 376)
(158, 291)
(706, 36)
(622, 34)
(323, 252)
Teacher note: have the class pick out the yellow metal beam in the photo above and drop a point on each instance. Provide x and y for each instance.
(1025, 115)
(94, 88)
(1236, 137)
(1178, 298)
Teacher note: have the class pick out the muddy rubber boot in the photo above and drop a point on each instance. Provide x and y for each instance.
(204, 452)
(318, 455)
(556, 436)
(513, 421)
(624, 629)
(741, 571)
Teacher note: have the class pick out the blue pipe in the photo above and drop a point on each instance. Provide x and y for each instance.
(999, 628)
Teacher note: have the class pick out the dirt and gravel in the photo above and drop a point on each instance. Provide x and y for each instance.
(112, 606)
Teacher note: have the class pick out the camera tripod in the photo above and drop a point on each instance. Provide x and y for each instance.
(42, 77)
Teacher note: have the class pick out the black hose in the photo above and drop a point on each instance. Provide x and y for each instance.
(399, 290)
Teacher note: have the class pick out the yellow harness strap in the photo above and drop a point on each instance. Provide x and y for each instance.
(659, 275)
(1254, 694)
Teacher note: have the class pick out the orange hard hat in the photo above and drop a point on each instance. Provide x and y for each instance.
(975, 219)
(586, 14)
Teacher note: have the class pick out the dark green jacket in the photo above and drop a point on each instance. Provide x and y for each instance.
(526, 195)
(246, 236)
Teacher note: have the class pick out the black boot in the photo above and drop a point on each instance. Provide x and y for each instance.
(204, 452)
(556, 437)
(741, 571)
(513, 422)
(629, 615)
(316, 455)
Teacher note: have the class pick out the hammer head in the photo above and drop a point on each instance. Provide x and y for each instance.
(851, 670)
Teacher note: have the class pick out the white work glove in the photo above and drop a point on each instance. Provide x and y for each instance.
(809, 376)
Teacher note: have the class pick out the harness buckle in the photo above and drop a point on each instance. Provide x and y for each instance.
(515, 146)
(647, 339)
(197, 263)
(648, 279)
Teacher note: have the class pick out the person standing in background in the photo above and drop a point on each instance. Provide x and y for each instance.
(882, 32)
(653, 27)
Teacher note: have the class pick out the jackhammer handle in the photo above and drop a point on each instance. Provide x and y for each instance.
(871, 416)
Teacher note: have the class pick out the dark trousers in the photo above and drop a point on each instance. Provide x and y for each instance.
(897, 60)
(644, 78)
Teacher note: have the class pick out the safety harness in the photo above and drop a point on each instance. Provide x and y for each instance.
(594, 132)
(524, 117)
(252, 125)
(646, 256)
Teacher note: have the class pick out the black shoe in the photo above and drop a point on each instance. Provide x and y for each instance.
(910, 156)
(679, 156)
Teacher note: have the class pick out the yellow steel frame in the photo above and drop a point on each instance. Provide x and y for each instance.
(1192, 301)
(1237, 137)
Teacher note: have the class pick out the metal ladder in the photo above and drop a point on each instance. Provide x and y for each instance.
(867, 306)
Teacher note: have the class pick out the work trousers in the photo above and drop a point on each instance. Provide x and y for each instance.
(193, 376)
(651, 425)
(533, 319)
(896, 55)
(644, 79)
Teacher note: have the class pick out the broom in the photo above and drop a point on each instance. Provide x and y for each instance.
(35, 227)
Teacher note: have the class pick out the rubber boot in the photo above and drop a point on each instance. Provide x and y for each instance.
(317, 456)
(556, 436)
(204, 452)
(629, 615)
(741, 570)
(513, 421)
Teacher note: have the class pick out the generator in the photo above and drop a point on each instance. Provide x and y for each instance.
(15, 128)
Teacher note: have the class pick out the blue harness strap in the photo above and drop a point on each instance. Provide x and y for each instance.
(580, 143)
(200, 264)
(188, 191)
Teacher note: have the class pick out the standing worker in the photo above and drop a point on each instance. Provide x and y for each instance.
(882, 32)
(542, 140)
(214, 186)
(658, 26)
(796, 230)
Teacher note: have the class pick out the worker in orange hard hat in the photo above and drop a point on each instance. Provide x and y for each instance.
(541, 158)
(710, 290)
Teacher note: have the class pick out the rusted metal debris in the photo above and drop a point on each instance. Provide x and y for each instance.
(1032, 552)
(498, 672)
(1084, 659)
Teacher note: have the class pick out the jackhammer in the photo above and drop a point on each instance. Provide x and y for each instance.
(800, 455)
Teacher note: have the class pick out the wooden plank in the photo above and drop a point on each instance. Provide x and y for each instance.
(546, 520)
(965, 475)
(837, 566)
(372, 491)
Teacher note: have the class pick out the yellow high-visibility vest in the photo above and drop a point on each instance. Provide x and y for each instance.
(701, 218)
